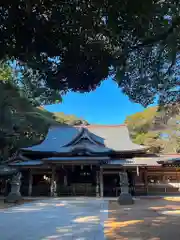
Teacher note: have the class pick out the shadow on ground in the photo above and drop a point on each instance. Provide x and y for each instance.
(85, 219)
(147, 219)
(55, 219)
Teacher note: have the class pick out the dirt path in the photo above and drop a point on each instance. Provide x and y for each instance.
(145, 220)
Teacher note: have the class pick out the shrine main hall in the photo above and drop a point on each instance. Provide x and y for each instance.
(88, 160)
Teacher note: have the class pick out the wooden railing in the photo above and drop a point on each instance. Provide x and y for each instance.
(155, 189)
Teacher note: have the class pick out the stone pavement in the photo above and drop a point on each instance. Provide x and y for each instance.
(55, 219)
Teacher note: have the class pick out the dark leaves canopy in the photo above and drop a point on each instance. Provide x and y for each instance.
(79, 43)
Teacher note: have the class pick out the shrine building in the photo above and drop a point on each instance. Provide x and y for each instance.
(87, 160)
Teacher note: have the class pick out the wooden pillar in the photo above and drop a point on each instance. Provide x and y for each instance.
(101, 183)
(164, 180)
(177, 177)
(53, 182)
(30, 183)
(97, 184)
(145, 180)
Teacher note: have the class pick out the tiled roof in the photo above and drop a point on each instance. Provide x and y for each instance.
(145, 161)
(141, 161)
(115, 137)
(57, 137)
(64, 159)
(27, 163)
(102, 138)
(136, 162)
(170, 158)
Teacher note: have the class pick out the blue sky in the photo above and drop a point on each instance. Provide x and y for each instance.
(106, 105)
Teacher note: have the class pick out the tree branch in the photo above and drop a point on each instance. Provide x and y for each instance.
(148, 42)
(159, 37)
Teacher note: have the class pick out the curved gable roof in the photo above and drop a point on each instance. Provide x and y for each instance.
(102, 138)
(56, 138)
(115, 137)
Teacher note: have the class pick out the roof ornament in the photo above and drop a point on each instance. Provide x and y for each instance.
(85, 136)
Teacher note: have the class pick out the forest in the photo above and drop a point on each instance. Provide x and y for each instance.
(157, 127)
(23, 121)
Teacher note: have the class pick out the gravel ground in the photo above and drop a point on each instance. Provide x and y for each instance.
(55, 219)
(91, 219)
(147, 219)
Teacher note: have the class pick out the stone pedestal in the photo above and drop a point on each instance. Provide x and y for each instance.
(15, 195)
(125, 197)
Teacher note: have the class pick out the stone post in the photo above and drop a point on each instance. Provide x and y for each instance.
(15, 195)
(30, 183)
(101, 183)
(125, 197)
(97, 184)
(53, 186)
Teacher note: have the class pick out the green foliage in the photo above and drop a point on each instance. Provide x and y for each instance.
(6, 72)
(157, 128)
(30, 83)
(141, 121)
(143, 138)
(77, 44)
(21, 124)
(33, 86)
(68, 119)
(60, 117)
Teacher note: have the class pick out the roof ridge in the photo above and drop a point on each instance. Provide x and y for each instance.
(171, 154)
(89, 126)
(101, 125)
(81, 132)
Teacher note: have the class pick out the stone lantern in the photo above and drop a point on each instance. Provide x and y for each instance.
(13, 173)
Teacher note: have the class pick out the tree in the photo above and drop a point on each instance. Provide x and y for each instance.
(157, 128)
(68, 119)
(20, 124)
(6, 73)
(32, 86)
(77, 44)
(141, 122)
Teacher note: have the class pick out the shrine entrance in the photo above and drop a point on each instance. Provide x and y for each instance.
(83, 181)
(111, 184)
(78, 180)
(111, 181)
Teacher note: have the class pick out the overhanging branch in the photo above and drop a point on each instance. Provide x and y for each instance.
(162, 36)
(123, 55)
